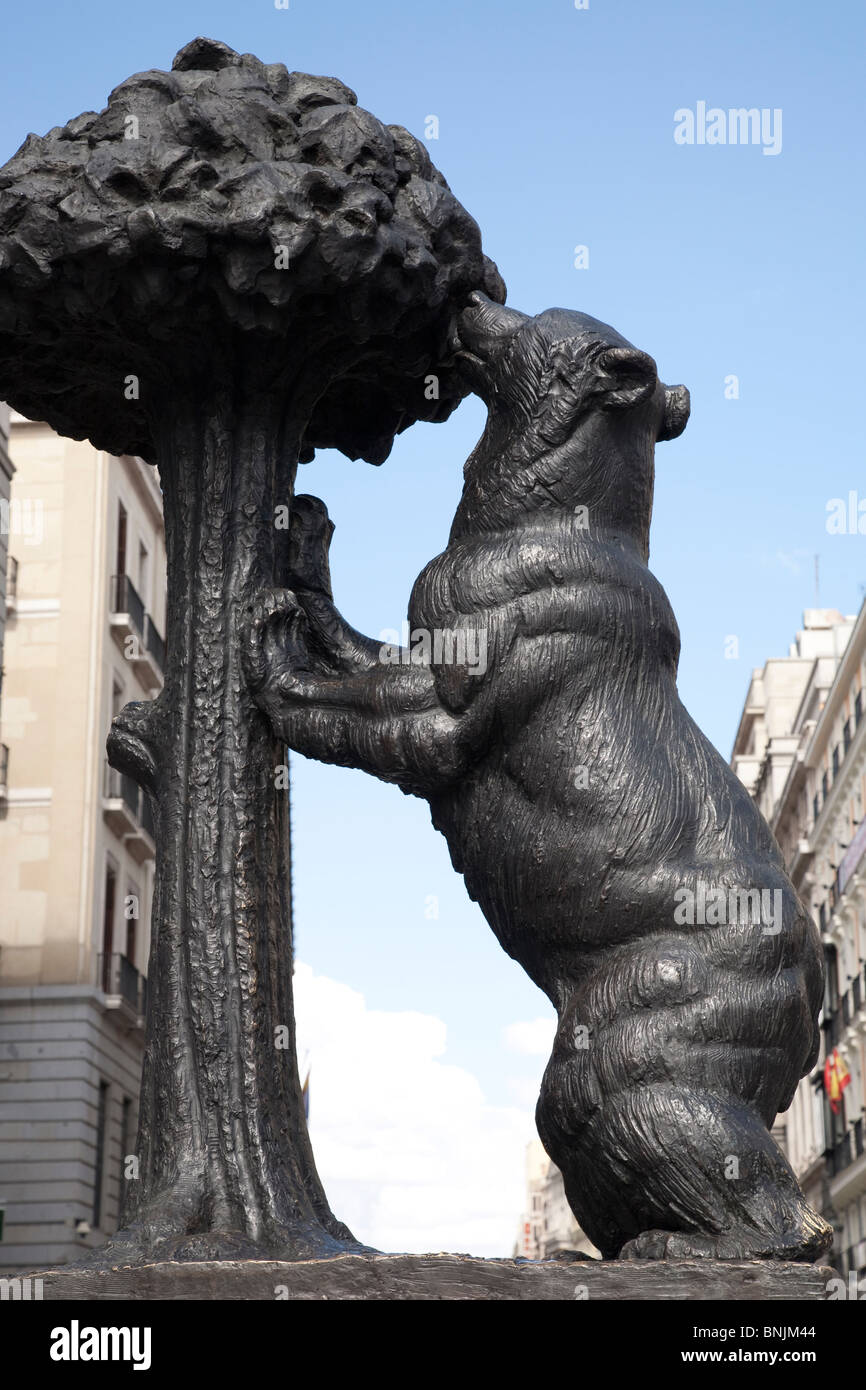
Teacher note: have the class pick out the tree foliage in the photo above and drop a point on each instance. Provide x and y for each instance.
(226, 218)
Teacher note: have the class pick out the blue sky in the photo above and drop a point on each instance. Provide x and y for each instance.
(556, 129)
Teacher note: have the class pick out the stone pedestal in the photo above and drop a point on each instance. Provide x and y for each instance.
(444, 1277)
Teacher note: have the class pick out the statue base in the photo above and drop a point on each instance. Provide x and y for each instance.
(444, 1277)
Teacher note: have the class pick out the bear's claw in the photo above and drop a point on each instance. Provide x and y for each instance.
(272, 635)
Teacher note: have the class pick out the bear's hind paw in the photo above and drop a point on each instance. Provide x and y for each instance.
(804, 1245)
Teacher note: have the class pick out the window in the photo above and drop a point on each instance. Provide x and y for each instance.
(121, 539)
(126, 1141)
(101, 1108)
(837, 1128)
(131, 911)
(831, 988)
(108, 925)
(143, 573)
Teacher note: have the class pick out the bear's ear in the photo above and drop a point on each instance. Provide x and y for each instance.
(625, 375)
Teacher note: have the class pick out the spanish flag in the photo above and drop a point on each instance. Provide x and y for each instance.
(836, 1078)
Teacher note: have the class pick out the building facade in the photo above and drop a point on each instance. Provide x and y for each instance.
(548, 1226)
(800, 750)
(84, 636)
(5, 528)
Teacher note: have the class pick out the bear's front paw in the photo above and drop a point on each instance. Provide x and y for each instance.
(310, 535)
(274, 643)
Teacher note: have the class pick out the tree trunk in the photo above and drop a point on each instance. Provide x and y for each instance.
(226, 1167)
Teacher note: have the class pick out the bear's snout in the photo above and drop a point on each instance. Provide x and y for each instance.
(485, 326)
(678, 407)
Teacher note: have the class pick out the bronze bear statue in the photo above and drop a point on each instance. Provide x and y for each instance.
(613, 851)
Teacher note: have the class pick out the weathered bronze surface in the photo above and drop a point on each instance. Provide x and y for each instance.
(231, 266)
(592, 821)
(228, 267)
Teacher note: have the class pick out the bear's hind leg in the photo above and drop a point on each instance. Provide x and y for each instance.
(697, 1171)
(730, 1192)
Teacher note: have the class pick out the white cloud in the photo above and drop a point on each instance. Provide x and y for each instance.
(533, 1038)
(411, 1154)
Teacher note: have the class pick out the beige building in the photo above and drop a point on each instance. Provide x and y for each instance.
(547, 1226)
(800, 749)
(84, 636)
(5, 527)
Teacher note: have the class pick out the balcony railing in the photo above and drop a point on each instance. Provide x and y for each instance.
(851, 859)
(154, 642)
(839, 1156)
(846, 1150)
(126, 599)
(127, 809)
(119, 978)
(11, 579)
(832, 1025)
(135, 629)
(119, 787)
(4, 765)
(846, 1008)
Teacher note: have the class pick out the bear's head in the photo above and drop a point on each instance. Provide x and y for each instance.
(575, 411)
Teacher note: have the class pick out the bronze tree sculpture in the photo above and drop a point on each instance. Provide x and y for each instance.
(230, 266)
(611, 848)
